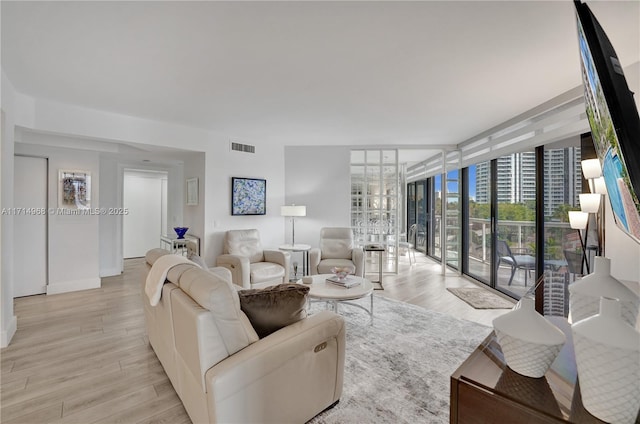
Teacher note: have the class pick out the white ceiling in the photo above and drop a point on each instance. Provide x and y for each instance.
(354, 73)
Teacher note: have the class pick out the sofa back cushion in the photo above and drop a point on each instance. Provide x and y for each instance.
(209, 325)
(218, 296)
(336, 243)
(244, 243)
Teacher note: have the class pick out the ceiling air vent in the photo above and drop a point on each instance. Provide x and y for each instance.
(239, 147)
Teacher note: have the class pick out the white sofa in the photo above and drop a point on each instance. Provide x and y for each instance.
(220, 369)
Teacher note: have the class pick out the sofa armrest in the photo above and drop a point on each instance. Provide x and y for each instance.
(222, 272)
(357, 256)
(239, 267)
(314, 260)
(297, 370)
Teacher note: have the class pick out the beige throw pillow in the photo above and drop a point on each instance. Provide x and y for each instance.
(274, 307)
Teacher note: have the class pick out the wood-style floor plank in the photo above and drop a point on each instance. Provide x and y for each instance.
(84, 357)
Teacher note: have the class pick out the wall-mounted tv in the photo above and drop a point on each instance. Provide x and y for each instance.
(613, 118)
(248, 196)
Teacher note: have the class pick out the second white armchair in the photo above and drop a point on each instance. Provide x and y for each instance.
(337, 249)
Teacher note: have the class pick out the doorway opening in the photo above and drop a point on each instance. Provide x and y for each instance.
(144, 199)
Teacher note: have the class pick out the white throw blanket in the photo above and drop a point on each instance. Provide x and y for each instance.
(158, 274)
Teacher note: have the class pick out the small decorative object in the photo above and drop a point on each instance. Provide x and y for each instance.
(529, 342)
(341, 272)
(584, 295)
(608, 361)
(307, 280)
(181, 231)
(295, 269)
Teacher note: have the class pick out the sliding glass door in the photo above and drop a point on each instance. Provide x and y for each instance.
(479, 218)
(516, 223)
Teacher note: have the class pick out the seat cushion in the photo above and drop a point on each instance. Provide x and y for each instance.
(265, 271)
(272, 308)
(526, 261)
(325, 265)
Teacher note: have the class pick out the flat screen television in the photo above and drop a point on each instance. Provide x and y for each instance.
(613, 118)
(248, 196)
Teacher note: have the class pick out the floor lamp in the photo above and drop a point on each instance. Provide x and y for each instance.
(593, 203)
(293, 211)
(579, 221)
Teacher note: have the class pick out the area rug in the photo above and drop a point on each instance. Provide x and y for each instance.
(481, 298)
(398, 365)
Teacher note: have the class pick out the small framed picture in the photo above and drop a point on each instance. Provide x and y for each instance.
(192, 191)
(74, 189)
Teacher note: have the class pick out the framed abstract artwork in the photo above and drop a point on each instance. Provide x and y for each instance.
(248, 196)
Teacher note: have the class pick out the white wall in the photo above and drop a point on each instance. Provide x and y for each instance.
(8, 321)
(112, 168)
(221, 165)
(320, 179)
(73, 253)
(193, 215)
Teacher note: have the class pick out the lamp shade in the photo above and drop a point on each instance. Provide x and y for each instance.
(591, 168)
(590, 202)
(578, 220)
(293, 210)
(599, 186)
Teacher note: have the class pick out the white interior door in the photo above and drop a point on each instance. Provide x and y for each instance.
(142, 225)
(30, 226)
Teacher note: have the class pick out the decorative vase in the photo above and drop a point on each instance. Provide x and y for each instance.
(529, 342)
(585, 294)
(181, 231)
(608, 361)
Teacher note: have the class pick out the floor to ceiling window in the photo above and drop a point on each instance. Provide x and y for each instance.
(435, 206)
(516, 225)
(479, 210)
(562, 249)
(452, 223)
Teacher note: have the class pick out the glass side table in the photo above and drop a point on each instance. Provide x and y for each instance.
(304, 248)
(175, 245)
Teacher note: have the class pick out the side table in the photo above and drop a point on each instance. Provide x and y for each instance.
(174, 245)
(304, 248)
(484, 389)
(380, 249)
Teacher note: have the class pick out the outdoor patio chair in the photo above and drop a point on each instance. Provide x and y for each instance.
(525, 262)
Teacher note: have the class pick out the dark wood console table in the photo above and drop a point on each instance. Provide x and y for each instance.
(485, 390)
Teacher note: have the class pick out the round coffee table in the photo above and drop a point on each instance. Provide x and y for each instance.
(333, 294)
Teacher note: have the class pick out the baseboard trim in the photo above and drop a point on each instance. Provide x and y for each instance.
(76, 285)
(7, 335)
(110, 272)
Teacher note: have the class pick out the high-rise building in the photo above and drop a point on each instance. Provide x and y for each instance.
(516, 178)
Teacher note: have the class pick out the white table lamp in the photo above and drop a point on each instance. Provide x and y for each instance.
(293, 211)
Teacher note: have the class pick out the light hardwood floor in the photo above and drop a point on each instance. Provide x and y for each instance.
(83, 357)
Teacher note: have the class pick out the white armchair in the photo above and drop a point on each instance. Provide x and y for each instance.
(336, 249)
(251, 266)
